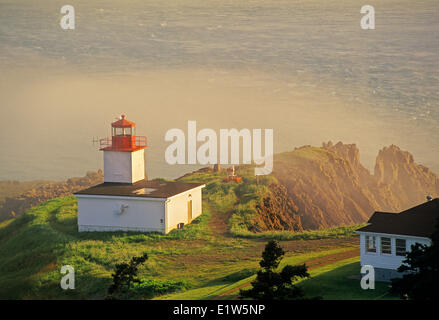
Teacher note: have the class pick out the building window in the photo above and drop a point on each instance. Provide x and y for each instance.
(386, 246)
(180, 226)
(118, 131)
(400, 247)
(370, 244)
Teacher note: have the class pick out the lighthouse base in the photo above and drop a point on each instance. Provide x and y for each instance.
(87, 228)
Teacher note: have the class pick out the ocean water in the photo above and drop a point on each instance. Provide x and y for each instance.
(304, 68)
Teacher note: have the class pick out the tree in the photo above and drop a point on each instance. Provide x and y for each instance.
(272, 285)
(124, 276)
(421, 267)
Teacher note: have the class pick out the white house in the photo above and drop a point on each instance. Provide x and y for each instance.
(388, 236)
(127, 201)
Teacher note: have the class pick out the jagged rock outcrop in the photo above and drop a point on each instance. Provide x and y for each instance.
(350, 153)
(409, 182)
(331, 187)
(14, 206)
(277, 211)
(381, 194)
(324, 186)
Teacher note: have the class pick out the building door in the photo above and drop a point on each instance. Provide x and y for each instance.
(189, 211)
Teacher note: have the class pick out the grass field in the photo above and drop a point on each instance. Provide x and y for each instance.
(338, 282)
(335, 281)
(218, 291)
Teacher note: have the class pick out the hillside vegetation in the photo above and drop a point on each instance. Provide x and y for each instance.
(259, 207)
(34, 246)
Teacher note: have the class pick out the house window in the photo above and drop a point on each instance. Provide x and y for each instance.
(370, 244)
(386, 246)
(400, 247)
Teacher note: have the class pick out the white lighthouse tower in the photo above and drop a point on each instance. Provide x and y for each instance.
(124, 153)
(127, 201)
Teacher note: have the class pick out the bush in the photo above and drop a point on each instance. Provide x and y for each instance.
(149, 288)
(272, 285)
(124, 277)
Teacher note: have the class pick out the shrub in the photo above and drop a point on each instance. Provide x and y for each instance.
(124, 277)
(149, 288)
(272, 285)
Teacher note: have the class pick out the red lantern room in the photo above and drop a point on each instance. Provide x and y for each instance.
(123, 137)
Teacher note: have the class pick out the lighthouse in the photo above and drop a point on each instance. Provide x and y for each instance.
(124, 153)
(127, 200)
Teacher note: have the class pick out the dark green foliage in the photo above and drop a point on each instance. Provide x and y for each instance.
(149, 288)
(271, 256)
(125, 277)
(272, 285)
(421, 281)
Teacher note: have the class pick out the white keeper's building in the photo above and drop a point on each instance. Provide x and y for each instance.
(127, 201)
(389, 236)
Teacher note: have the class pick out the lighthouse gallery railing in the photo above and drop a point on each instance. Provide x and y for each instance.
(122, 142)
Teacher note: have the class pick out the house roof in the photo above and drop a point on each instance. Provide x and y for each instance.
(419, 221)
(143, 189)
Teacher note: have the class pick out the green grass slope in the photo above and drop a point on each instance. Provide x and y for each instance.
(341, 282)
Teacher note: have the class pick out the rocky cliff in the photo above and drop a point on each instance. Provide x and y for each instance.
(14, 206)
(277, 211)
(409, 182)
(331, 187)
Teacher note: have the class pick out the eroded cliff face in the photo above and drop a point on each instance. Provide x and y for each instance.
(277, 211)
(409, 182)
(331, 187)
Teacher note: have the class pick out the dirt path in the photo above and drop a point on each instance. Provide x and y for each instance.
(312, 264)
(218, 222)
